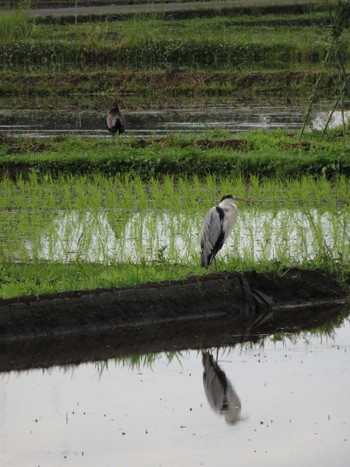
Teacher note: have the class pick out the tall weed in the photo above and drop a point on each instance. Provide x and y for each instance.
(16, 24)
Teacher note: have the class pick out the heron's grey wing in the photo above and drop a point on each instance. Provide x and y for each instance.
(229, 221)
(116, 121)
(220, 393)
(211, 230)
(215, 382)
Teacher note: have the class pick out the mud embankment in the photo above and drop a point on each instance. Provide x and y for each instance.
(216, 310)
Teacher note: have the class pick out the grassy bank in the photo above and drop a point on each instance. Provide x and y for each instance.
(265, 154)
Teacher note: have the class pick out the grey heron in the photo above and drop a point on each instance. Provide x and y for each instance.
(216, 228)
(115, 120)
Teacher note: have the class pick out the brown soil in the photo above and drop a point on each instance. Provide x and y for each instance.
(32, 147)
(237, 144)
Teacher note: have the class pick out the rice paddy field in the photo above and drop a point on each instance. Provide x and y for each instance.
(87, 212)
(80, 210)
(227, 51)
(81, 232)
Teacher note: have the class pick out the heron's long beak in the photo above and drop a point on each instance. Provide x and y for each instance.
(241, 200)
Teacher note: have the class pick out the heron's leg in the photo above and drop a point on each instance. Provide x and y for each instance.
(216, 269)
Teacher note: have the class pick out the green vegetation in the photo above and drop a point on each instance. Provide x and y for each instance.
(258, 153)
(81, 213)
(132, 194)
(15, 25)
(76, 233)
(156, 84)
(227, 52)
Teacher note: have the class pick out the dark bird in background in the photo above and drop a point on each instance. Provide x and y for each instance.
(216, 227)
(115, 120)
(219, 391)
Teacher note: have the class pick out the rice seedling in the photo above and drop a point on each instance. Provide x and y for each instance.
(141, 231)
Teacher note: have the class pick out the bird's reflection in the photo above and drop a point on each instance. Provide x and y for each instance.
(220, 393)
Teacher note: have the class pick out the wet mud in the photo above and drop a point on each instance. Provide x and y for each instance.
(216, 310)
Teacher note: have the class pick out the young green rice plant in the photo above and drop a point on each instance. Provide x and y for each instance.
(282, 246)
(168, 186)
(82, 220)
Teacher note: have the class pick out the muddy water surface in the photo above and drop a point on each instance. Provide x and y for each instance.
(286, 404)
(161, 118)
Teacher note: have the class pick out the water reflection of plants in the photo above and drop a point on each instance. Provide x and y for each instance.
(323, 334)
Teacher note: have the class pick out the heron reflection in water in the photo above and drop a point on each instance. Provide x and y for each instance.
(220, 393)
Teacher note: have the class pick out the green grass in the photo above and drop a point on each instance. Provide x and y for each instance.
(265, 154)
(15, 25)
(224, 54)
(41, 278)
(215, 28)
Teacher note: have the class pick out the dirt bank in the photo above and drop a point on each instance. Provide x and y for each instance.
(237, 296)
(214, 311)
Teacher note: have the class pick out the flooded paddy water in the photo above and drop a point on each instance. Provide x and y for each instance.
(270, 400)
(41, 118)
(285, 403)
(279, 399)
(108, 236)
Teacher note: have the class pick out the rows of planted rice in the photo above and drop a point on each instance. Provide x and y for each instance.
(137, 230)
(71, 217)
(181, 194)
(250, 49)
(144, 42)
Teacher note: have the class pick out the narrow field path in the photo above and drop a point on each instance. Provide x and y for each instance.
(162, 7)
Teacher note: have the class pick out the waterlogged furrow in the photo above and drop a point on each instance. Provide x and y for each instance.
(285, 235)
(125, 220)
